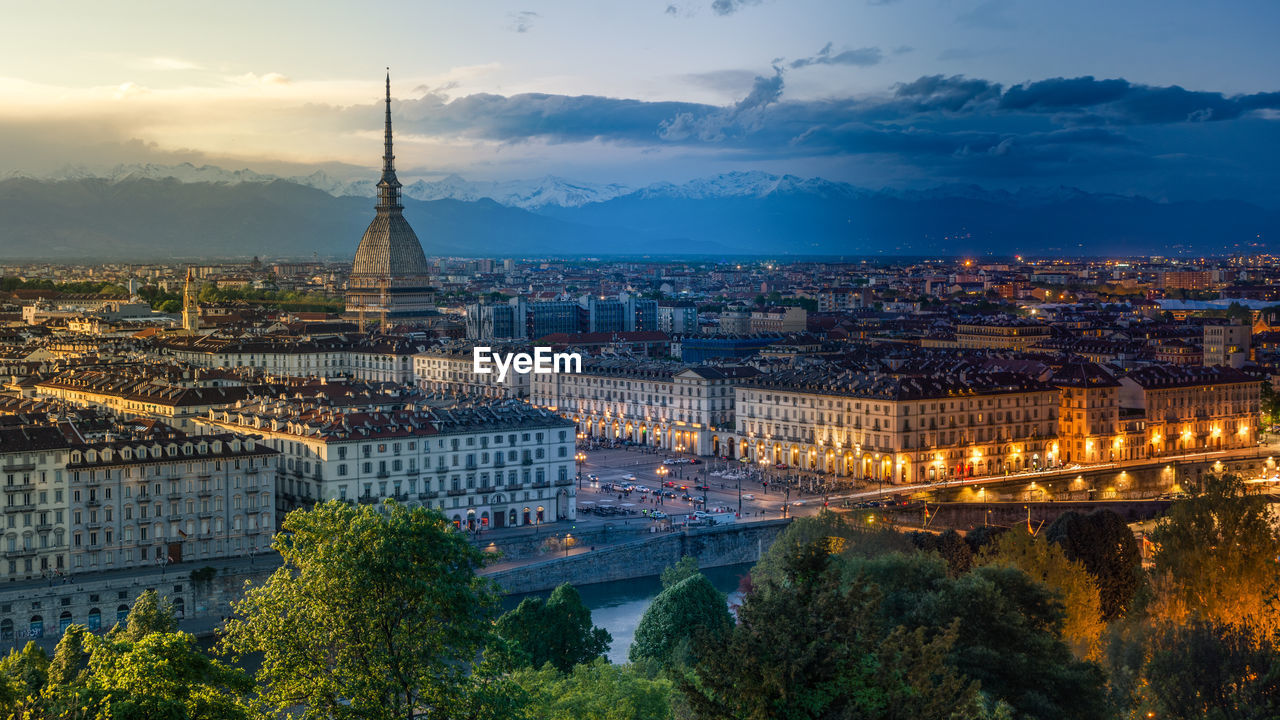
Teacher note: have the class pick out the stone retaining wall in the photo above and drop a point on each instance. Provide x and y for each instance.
(712, 546)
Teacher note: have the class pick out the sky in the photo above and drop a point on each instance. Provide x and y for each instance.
(1170, 99)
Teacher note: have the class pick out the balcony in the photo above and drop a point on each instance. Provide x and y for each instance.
(20, 553)
(93, 502)
(383, 474)
(252, 471)
(456, 492)
(429, 495)
(541, 484)
(486, 490)
(20, 487)
(566, 481)
(19, 467)
(24, 507)
(367, 500)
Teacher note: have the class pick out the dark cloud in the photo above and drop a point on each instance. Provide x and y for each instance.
(1119, 101)
(862, 57)
(939, 92)
(1072, 131)
(522, 21)
(729, 7)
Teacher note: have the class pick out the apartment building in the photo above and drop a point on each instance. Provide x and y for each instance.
(1188, 408)
(499, 464)
(898, 429)
(450, 370)
(669, 405)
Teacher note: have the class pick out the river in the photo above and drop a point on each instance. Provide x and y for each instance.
(617, 606)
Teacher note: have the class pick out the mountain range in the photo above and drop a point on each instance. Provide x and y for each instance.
(139, 212)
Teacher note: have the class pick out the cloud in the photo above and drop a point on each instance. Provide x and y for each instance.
(729, 7)
(862, 57)
(990, 15)
(939, 92)
(1107, 133)
(264, 80)
(522, 21)
(168, 63)
(744, 117)
(1119, 101)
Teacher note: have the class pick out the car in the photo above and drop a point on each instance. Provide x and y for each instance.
(629, 477)
(703, 488)
(669, 494)
(658, 515)
(748, 496)
(669, 483)
(593, 478)
(669, 461)
(694, 461)
(700, 514)
(798, 503)
(686, 496)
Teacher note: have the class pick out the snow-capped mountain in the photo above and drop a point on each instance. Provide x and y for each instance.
(534, 194)
(754, 184)
(525, 194)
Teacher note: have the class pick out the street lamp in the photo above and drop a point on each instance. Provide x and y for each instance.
(580, 458)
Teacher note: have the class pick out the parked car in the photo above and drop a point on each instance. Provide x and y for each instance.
(629, 477)
(748, 496)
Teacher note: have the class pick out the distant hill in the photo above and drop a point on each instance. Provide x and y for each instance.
(142, 212)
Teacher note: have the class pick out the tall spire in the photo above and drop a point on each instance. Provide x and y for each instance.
(389, 185)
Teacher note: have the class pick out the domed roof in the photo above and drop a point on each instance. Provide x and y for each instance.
(389, 249)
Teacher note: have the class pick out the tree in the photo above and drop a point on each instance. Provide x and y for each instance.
(1046, 563)
(149, 614)
(689, 611)
(1104, 544)
(28, 668)
(808, 645)
(950, 545)
(71, 658)
(163, 675)
(1215, 556)
(374, 614)
(853, 540)
(1213, 671)
(557, 631)
(1008, 630)
(596, 691)
(685, 567)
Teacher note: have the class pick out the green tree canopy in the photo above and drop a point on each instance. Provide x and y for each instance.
(557, 630)
(163, 675)
(690, 611)
(595, 691)
(1205, 670)
(1046, 563)
(685, 567)
(374, 614)
(1104, 544)
(1216, 556)
(149, 614)
(808, 645)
